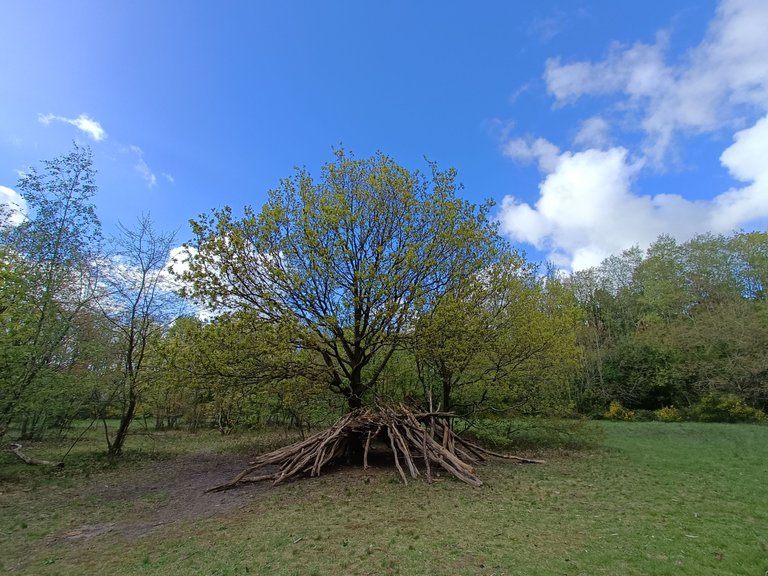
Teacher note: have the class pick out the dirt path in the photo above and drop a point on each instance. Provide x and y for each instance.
(167, 492)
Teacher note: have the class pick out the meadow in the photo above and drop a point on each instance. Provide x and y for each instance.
(647, 498)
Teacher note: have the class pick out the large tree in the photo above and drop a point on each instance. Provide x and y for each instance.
(348, 261)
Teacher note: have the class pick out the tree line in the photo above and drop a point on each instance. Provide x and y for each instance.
(676, 325)
(370, 283)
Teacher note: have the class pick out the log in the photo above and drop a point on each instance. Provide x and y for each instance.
(16, 449)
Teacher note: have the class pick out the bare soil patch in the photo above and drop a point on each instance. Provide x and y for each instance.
(167, 492)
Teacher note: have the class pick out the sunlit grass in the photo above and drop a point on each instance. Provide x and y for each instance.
(654, 499)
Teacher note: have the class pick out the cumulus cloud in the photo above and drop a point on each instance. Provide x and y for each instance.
(593, 133)
(587, 209)
(141, 166)
(639, 71)
(745, 159)
(83, 122)
(12, 205)
(529, 150)
(707, 90)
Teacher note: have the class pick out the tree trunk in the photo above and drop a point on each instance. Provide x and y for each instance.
(446, 395)
(116, 447)
(354, 401)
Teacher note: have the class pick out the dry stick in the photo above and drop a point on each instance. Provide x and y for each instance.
(405, 450)
(471, 447)
(16, 449)
(453, 464)
(500, 455)
(368, 446)
(80, 436)
(394, 451)
(426, 457)
(322, 447)
(257, 478)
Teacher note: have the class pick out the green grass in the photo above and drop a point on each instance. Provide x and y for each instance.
(654, 498)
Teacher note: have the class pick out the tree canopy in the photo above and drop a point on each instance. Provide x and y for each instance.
(349, 260)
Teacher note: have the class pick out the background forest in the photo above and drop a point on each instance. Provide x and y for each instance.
(371, 284)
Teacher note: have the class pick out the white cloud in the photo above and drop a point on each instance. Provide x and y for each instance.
(141, 166)
(169, 178)
(745, 159)
(83, 122)
(177, 264)
(15, 205)
(594, 132)
(540, 150)
(587, 209)
(639, 71)
(707, 90)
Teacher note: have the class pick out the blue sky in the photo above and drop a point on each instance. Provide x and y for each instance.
(594, 125)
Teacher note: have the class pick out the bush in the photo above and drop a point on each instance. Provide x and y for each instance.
(668, 414)
(534, 433)
(644, 415)
(717, 407)
(617, 412)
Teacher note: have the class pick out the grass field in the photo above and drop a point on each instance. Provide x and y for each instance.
(653, 498)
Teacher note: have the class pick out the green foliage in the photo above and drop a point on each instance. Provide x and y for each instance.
(643, 372)
(47, 284)
(618, 412)
(236, 371)
(502, 341)
(668, 414)
(718, 407)
(535, 433)
(686, 319)
(348, 262)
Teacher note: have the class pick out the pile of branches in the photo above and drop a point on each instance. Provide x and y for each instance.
(412, 437)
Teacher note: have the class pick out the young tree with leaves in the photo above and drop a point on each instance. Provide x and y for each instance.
(50, 258)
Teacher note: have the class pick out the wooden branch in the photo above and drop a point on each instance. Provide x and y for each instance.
(16, 449)
(411, 436)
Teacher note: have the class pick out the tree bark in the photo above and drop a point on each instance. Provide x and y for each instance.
(116, 447)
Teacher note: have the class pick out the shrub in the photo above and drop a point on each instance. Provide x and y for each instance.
(617, 412)
(535, 433)
(668, 414)
(644, 415)
(717, 407)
